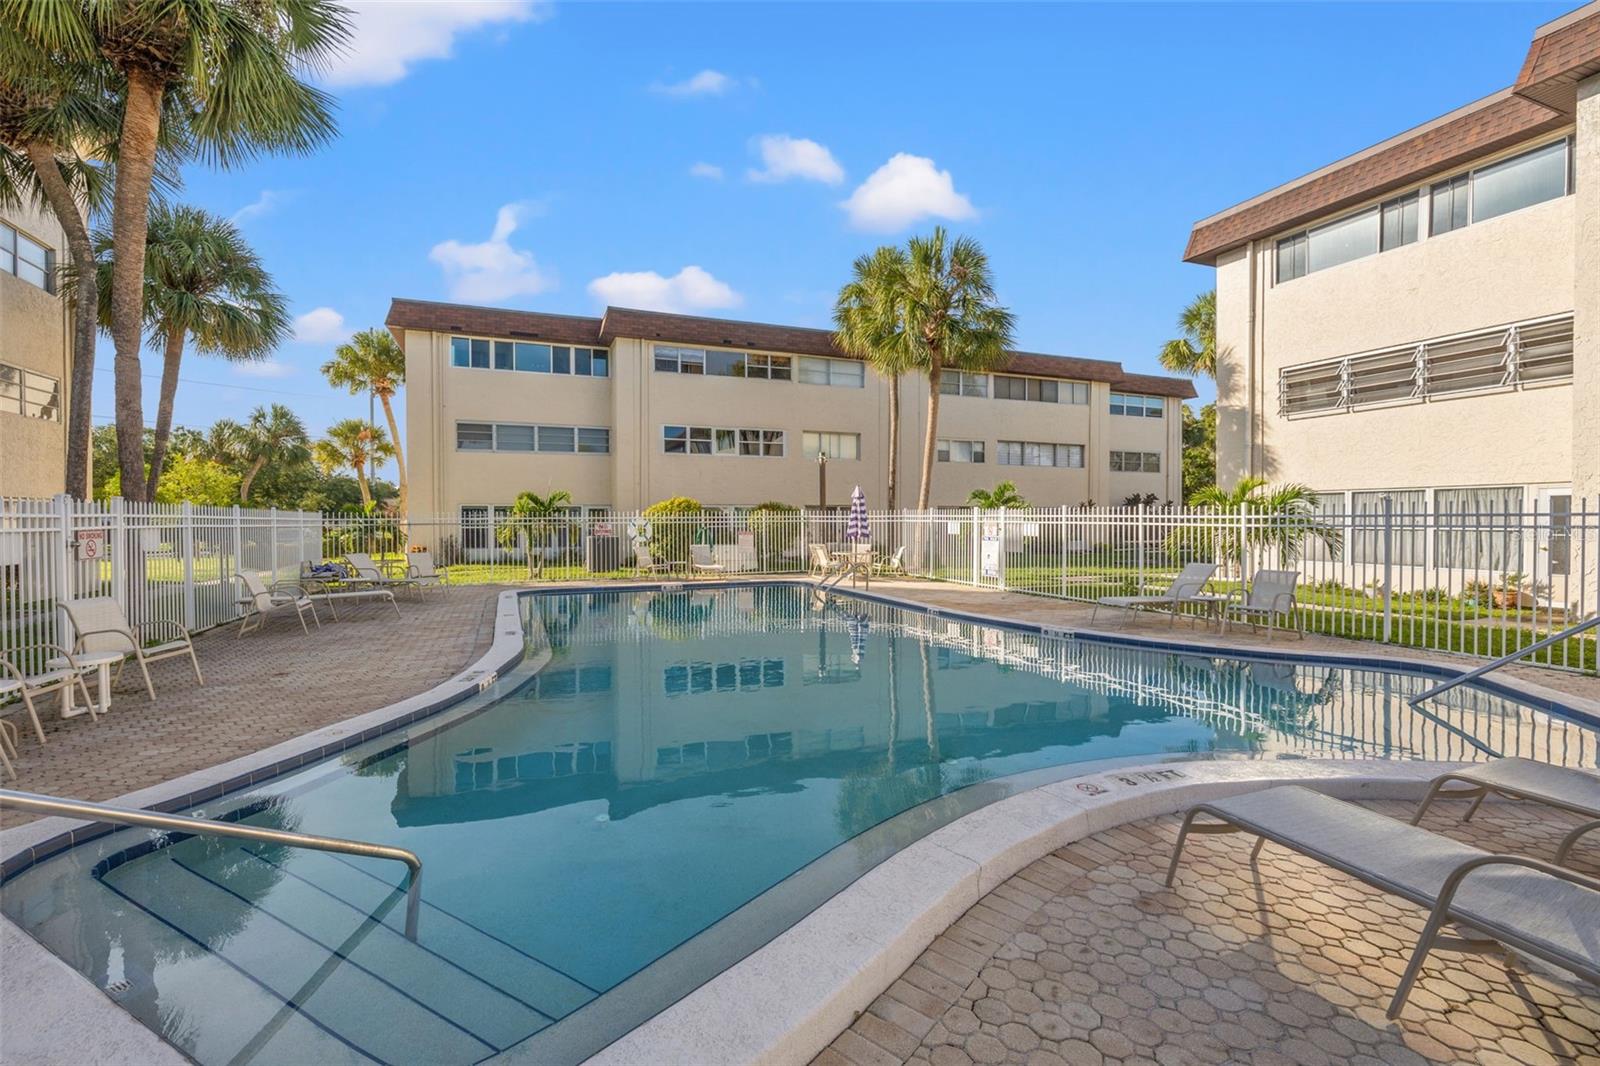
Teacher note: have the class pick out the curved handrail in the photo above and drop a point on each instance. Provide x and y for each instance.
(31, 801)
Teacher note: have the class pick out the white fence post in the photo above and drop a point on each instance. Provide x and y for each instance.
(238, 540)
(1141, 532)
(273, 544)
(977, 548)
(62, 551)
(186, 552)
(1388, 569)
(120, 550)
(1005, 540)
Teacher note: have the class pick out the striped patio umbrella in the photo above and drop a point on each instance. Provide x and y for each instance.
(856, 527)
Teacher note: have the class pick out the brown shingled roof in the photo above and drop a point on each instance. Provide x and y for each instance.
(719, 332)
(1562, 56)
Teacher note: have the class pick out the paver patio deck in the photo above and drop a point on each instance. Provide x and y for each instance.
(1085, 957)
(266, 687)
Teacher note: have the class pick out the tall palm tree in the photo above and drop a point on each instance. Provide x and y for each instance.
(274, 434)
(952, 318)
(529, 524)
(202, 280)
(373, 361)
(228, 73)
(869, 323)
(348, 445)
(1196, 351)
(1004, 494)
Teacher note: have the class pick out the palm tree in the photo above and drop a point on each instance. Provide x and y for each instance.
(273, 434)
(951, 316)
(1196, 351)
(201, 280)
(1004, 494)
(529, 524)
(869, 323)
(373, 361)
(1290, 511)
(348, 445)
(227, 75)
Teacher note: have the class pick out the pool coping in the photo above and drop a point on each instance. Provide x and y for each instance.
(967, 856)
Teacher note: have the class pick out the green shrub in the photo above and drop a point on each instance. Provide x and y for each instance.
(776, 526)
(672, 527)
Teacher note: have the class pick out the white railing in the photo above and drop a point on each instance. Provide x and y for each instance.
(162, 562)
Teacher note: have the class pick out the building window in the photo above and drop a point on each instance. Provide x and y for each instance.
(833, 445)
(29, 393)
(1031, 453)
(1400, 221)
(480, 354)
(708, 440)
(1408, 545)
(1136, 462)
(518, 437)
(960, 451)
(961, 383)
(27, 258)
(722, 364)
(1137, 406)
(1044, 390)
(1292, 257)
(1478, 529)
(840, 373)
(1341, 241)
(1531, 178)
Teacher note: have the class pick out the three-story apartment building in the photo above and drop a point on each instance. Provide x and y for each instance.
(35, 354)
(1422, 319)
(638, 406)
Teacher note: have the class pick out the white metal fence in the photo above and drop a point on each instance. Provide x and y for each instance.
(1483, 581)
(172, 562)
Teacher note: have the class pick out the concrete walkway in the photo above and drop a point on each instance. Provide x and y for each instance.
(1085, 958)
(266, 687)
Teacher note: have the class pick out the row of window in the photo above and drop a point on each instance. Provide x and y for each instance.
(808, 370)
(1033, 453)
(1136, 462)
(1530, 352)
(1533, 177)
(480, 354)
(1137, 406)
(1472, 529)
(1012, 387)
(519, 437)
(26, 258)
(709, 440)
(29, 393)
(833, 445)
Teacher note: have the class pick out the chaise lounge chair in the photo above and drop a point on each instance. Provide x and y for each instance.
(372, 575)
(14, 681)
(645, 563)
(259, 602)
(331, 590)
(1187, 588)
(1271, 598)
(1573, 791)
(102, 627)
(701, 559)
(1533, 907)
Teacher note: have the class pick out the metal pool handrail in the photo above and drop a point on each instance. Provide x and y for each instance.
(1510, 657)
(30, 801)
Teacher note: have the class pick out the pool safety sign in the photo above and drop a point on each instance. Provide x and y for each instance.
(989, 554)
(91, 544)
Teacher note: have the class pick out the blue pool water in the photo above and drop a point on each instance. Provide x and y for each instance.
(600, 836)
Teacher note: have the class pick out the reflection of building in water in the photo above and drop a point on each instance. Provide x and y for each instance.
(622, 705)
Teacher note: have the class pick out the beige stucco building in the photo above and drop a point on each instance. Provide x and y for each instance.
(1422, 319)
(35, 354)
(635, 406)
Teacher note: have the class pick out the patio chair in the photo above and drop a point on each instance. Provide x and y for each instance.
(16, 682)
(8, 748)
(646, 563)
(372, 575)
(260, 602)
(702, 561)
(893, 564)
(102, 627)
(420, 569)
(1536, 908)
(824, 562)
(1271, 597)
(1187, 588)
(1574, 791)
(330, 590)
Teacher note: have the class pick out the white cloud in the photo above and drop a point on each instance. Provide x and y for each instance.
(709, 171)
(705, 83)
(270, 368)
(904, 190)
(265, 204)
(492, 270)
(690, 289)
(784, 157)
(389, 36)
(321, 325)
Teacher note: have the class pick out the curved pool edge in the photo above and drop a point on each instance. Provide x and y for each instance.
(785, 1002)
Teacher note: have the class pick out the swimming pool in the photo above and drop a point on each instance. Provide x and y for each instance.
(686, 774)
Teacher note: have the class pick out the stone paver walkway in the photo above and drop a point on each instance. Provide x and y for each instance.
(1084, 957)
(260, 690)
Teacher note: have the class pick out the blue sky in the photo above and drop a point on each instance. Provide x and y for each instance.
(732, 160)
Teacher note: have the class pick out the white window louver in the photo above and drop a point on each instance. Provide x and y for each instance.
(1539, 350)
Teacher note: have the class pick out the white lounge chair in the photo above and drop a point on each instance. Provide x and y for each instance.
(102, 627)
(646, 563)
(1533, 907)
(1565, 789)
(892, 564)
(372, 575)
(1271, 598)
(824, 562)
(259, 602)
(332, 590)
(16, 682)
(1187, 588)
(421, 570)
(702, 561)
